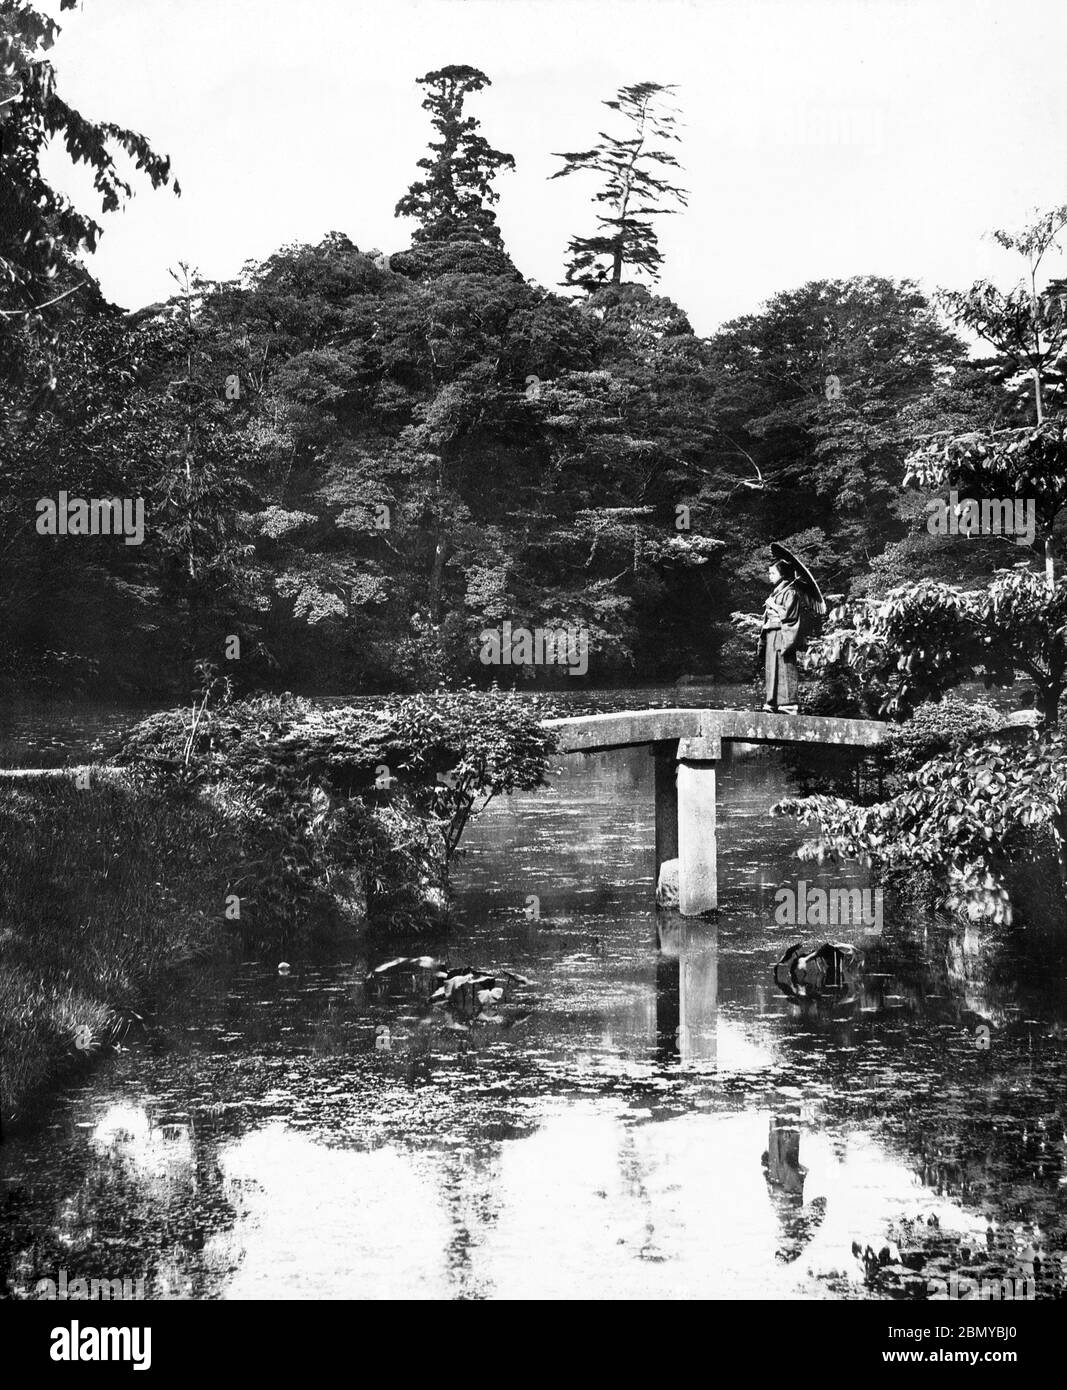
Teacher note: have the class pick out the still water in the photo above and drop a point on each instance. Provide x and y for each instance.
(648, 1117)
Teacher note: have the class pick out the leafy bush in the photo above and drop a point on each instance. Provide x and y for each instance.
(835, 691)
(923, 639)
(970, 816)
(323, 792)
(938, 727)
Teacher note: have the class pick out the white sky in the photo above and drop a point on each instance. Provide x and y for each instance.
(822, 137)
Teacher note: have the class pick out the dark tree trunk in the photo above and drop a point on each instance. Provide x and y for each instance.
(436, 580)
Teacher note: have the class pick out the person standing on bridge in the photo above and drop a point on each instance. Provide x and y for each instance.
(794, 589)
(778, 640)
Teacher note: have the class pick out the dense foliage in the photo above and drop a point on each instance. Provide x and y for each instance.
(454, 200)
(938, 728)
(967, 816)
(413, 455)
(924, 638)
(41, 232)
(352, 464)
(982, 809)
(355, 806)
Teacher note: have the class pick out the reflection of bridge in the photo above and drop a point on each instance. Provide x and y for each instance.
(687, 744)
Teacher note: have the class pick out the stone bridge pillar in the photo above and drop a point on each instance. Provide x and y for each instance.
(686, 847)
(666, 756)
(698, 866)
(687, 745)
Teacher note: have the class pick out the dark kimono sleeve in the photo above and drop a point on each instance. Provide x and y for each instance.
(788, 603)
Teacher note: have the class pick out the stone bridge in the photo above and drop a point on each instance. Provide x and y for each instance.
(687, 745)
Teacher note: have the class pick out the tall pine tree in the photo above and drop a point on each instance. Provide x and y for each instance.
(454, 201)
(632, 190)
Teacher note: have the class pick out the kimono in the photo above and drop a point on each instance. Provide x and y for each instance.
(778, 635)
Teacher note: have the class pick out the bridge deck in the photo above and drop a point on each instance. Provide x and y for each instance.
(593, 732)
(590, 733)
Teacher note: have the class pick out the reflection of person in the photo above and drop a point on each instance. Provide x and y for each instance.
(778, 640)
(782, 1159)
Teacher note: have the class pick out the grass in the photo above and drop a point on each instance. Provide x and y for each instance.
(103, 891)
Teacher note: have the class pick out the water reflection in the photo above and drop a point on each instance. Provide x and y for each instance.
(687, 989)
(650, 1112)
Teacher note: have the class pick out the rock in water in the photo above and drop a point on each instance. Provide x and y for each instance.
(667, 887)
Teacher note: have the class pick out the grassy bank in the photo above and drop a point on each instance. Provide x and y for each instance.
(102, 892)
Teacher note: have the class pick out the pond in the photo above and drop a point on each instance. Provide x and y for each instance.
(650, 1116)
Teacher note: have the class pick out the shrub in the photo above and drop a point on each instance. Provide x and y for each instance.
(321, 791)
(968, 815)
(936, 728)
(833, 692)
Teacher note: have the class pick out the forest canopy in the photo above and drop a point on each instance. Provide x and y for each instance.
(352, 462)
